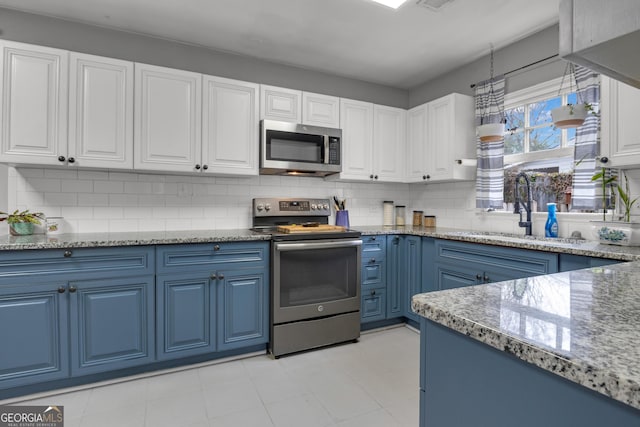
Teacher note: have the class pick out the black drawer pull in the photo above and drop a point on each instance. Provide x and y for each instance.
(72, 289)
(61, 289)
(67, 254)
(373, 292)
(216, 247)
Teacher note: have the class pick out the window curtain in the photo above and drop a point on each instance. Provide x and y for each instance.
(490, 173)
(587, 194)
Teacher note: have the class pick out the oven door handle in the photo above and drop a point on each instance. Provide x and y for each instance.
(297, 246)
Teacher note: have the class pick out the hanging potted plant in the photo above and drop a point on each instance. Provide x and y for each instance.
(570, 115)
(491, 132)
(21, 223)
(622, 232)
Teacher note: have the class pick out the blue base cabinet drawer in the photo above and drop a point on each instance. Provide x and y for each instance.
(373, 304)
(211, 256)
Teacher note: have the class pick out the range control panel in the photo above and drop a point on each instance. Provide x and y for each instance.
(291, 207)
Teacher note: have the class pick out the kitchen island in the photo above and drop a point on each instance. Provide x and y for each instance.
(554, 350)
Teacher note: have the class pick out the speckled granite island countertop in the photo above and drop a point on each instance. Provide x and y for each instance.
(93, 240)
(583, 325)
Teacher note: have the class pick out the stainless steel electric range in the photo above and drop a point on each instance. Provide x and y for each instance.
(315, 274)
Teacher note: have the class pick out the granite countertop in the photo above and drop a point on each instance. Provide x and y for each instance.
(583, 325)
(79, 240)
(92, 240)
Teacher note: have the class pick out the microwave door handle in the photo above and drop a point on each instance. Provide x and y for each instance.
(326, 149)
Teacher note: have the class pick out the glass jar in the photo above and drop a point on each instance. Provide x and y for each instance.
(429, 221)
(417, 218)
(400, 215)
(387, 208)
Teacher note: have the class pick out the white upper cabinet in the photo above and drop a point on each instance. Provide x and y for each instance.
(620, 126)
(167, 120)
(277, 103)
(356, 119)
(320, 110)
(416, 143)
(34, 104)
(100, 112)
(373, 142)
(230, 127)
(389, 128)
(447, 136)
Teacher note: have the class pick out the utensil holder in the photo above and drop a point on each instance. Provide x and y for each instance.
(342, 218)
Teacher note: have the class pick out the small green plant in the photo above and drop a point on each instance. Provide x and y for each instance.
(24, 216)
(625, 197)
(604, 181)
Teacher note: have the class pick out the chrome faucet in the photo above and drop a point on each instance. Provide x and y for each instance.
(518, 205)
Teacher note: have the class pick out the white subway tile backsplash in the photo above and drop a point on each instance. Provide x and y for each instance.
(98, 201)
(76, 186)
(108, 187)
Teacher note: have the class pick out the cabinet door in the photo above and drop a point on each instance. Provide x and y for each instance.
(440, 144)
(34, 334)
(412, 248)
(356, 119)
(100, 112)
(450, 277)
(320, 110)
(389, 128)
(417, 160)
(167, 122)
(243, 313)
(34, 104)
(186, 315)
(395, 277)
(620, 125)
(230, 127)
(112, 324)
(373, 305)
(278, 103)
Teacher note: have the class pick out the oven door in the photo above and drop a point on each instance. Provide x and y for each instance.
(315, 278)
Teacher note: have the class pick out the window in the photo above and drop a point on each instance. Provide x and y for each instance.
(533, 144)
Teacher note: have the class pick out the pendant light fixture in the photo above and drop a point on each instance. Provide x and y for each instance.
(491, 132)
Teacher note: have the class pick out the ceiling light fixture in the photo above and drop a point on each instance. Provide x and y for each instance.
(394, 4)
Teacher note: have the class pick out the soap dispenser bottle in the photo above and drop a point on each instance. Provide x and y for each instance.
(551, 227)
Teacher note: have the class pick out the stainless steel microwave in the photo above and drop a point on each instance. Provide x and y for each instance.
(295, 149)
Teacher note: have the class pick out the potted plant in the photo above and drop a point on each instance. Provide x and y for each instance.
(21, 223)
(491, 132)
(622, 232)
(570, 115)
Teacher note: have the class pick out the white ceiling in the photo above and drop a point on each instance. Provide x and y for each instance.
(352, 38)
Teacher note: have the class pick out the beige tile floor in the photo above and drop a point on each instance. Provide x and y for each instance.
(371, 383)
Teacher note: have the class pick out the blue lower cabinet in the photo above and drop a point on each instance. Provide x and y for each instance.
(243, 313)
(185, 315)
(112, 324)
(456, 276)
(373, 304)
(395, 286)
(33, 334)
(412, 273)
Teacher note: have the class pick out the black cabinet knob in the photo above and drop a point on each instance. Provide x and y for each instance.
(375, 177)
(604, 160)
(373, 239)
(478, 276)
(71, 160)
(486, 278)
(221, 276)
(373, 292)
(61, 289)
(213, 276)
(424, 176)
(205, 167)
(67, 254)
(197, 167)
(372, 261)
(216, 247)
(371, 176)
(72, 289)
(61, 158)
